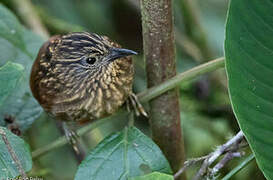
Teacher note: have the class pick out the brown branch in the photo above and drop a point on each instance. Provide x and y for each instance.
(159, 51)
(13, 154)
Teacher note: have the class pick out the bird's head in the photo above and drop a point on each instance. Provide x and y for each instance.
(87, 50)
(77, 64)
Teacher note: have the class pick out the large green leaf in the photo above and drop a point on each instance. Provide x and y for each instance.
(249, 62)
(20, 46)
(10, 74)
(8, 168)
(122, 155)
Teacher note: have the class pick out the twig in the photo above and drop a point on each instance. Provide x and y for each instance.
(219, 151)
(187, 164)
(13, 154)
(29, 15)
(229, 156)
(143, 97)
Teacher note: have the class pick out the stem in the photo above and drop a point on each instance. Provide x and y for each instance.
(159, 51)
(153, 92)
(239, 167)
(131, 119)
(143, 97)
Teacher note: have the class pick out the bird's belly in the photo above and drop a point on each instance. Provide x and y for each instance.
(91, 109)
(100, 105)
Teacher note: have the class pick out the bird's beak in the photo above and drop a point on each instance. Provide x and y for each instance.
(116, 53)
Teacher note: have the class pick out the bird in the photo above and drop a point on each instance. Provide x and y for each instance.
(82, 76)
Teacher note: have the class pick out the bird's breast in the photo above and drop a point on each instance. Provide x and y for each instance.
(100, 96)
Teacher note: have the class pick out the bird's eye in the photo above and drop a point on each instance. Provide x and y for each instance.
(91, 60)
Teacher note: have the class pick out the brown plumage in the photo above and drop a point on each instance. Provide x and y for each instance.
(81, 76)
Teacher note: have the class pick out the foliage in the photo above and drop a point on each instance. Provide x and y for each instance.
(205, 114)
(249, 68)
(10, 74)
(122, 155)
(20, 46)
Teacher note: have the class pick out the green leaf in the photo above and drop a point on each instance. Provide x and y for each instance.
(8, 168)
(125, 154)
(10, 74)
(249, 63)
(21, 46)
(153, 176)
